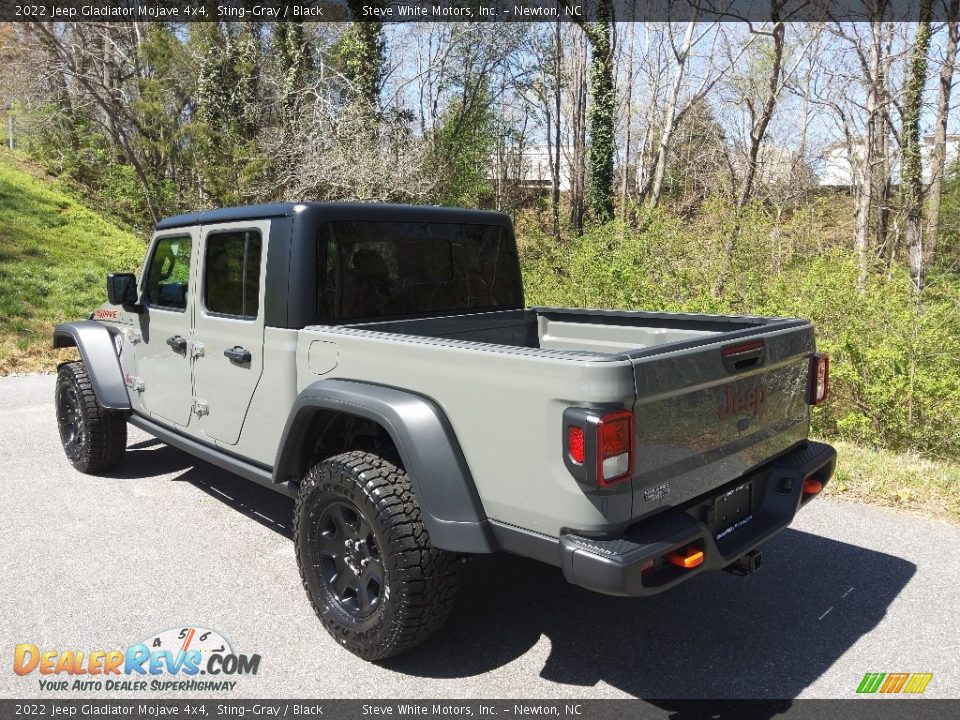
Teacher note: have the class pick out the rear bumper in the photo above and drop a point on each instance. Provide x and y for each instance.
(621, 565)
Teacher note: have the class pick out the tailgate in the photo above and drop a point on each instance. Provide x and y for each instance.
(706, 415)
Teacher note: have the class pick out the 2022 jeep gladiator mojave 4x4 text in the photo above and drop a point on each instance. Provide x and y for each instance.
(378, 364)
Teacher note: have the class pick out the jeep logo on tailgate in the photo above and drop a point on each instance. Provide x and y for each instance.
(745, 402)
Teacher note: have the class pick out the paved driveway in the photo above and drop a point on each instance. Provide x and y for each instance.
(164, 541)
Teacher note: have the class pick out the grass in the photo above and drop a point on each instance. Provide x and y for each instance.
(901, 480)
(55, 254)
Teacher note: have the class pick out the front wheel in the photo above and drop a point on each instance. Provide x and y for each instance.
(94, 439)
(375, 581)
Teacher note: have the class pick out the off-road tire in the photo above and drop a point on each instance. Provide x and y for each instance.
(419, 581)
(94, 439)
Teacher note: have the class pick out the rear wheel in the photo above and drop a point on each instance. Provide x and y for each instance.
(94, 439)
(366, 561)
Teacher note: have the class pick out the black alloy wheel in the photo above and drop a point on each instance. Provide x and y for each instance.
(70, 421)
(345, 550)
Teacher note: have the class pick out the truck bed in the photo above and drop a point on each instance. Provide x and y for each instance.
(713, 397)
(608, 333)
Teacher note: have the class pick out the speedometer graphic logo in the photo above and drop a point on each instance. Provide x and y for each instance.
(184, 639)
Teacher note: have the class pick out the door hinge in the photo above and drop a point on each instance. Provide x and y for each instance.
(133, 382)
(133, 337)
(200, 407)
(196, 349)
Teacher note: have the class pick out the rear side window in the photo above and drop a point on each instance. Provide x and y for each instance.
(370, 269)
(231, 275)
(168, 277)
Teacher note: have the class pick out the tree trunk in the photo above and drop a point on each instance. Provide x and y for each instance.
(798, 166)
(939, 155)
(912, 175)
(557, 96)
(884, 148)
(669, 124)
(106, 80)
(868, 189)
(603, 100)
(758, 129)
(628, 113)
(578, 129)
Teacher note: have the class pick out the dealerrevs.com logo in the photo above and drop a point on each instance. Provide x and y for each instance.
(179, 659)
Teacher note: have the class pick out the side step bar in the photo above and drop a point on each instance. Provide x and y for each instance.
(213, 456)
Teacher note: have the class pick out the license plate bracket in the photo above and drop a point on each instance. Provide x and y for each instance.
(733, 509)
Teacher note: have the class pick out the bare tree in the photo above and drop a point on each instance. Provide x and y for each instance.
(653, 189)
(546, 93)
(678, 103)
(761, 108)
(939, 155)
(868, 144)
(575, 145)
(335, 154)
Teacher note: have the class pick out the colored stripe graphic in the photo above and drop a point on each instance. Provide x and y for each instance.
(870, 682)
(918, 682)
(893, 683)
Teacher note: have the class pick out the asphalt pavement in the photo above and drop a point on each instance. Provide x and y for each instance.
(166, 541)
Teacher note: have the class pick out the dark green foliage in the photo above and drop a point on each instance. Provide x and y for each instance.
(72, 146)
(360, 54)
(461, 148)
(293, 63)
(698, 167)
(229, 111)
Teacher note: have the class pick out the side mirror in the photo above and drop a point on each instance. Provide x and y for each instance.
(122, 289)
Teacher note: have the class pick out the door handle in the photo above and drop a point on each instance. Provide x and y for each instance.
(238, 355)
(177, 344)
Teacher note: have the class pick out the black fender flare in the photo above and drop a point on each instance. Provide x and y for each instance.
(449, 504)
(100, 358)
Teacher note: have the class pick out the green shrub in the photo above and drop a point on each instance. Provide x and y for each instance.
(894, 375)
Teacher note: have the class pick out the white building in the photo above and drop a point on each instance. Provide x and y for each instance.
(530, 168)
(837, 171)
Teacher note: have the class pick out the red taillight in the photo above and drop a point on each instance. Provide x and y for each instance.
(614, 448)
(575, 443)
(819, 379)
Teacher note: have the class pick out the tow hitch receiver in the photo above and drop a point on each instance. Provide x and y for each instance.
(746, 564)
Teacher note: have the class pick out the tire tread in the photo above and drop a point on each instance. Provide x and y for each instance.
(424, 581)
(106, 430)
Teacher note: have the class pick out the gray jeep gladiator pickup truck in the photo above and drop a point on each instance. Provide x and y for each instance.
(378, 364)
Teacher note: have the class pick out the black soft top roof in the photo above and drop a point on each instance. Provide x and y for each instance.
(337, 211)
